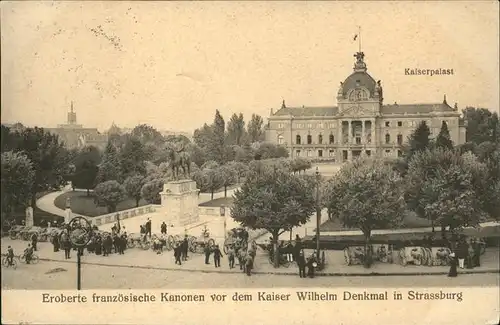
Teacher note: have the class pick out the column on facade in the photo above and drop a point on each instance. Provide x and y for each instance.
(339, 132)
(363, 135)
(373, 131)
(349, 132)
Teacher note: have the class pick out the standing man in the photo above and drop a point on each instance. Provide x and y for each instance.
(34, 241)
(230, 256)
(301, 263)
(476, 246)
(248, 264)
(163, 228)
(217, 256)
(177, 254)
(148, 228)
(207, 254)
(185, 247)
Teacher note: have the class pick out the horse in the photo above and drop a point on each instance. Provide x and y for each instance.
(179, 159)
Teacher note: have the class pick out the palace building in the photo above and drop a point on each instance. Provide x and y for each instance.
(360, 124)
(74, 135)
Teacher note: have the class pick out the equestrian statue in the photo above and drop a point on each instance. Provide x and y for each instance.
(179, 159)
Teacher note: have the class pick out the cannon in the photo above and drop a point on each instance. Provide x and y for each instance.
(237, 237)
(416, 255)
(198, 244)
(354, 255)
(15, 232)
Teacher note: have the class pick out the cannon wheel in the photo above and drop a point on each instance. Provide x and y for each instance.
(170, 241)
(402, 256)
(347, 256)
(145, 246)
(227, 242)
(12, 235)
(130, 243)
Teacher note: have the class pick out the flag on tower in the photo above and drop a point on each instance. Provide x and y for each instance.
(355, 37)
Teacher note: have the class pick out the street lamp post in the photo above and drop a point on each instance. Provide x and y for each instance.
(318, 211)
(80, 234)
(223, 214)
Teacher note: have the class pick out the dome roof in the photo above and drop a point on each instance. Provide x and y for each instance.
(359, 79)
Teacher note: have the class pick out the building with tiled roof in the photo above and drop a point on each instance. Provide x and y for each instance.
(360, 124)
(74, 135)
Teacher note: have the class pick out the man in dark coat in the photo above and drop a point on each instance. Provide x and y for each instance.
(163, 228)
(185, 248)
(217, 256)
(248, 264)
(177, 254)
(476, 246)
(34, 241)
(310, 265)
(148, 228)
(207, 254)
(301, 263)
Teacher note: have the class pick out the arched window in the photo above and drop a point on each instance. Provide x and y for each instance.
(309, 139)
(332, 139)
(400, 139)
(280, 139)
(320, 139)
(297, 139)
(387, 138)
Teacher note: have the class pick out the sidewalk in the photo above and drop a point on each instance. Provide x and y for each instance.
(137, 258)
(46, 202)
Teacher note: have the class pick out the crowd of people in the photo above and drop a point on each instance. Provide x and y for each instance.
(465, 254)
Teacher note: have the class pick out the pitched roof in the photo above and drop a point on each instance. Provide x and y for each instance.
(307, 111)
(416, 108)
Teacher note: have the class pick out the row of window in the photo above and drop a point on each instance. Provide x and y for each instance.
(334, 125)
(331, 139)
(345, 155)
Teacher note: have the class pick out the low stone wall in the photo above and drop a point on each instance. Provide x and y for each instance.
(125, 214)
(210, 211)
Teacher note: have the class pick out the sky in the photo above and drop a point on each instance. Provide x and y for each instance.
(172, 64)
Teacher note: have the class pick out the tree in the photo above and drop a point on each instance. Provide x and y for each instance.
(213, 178)
(419, 140)
(85, 175)
(447, 188)
(150, 191)
(244, 153)
(236, 129)
(274, 200)
(228, 176)
(198, 155)
(146, 134)
(268, 150)
(17, 178)
(482, 125)
(109, 194)
(203, 136)
(240, 169)
(110, 167)
(132, 157)
(255, 131)
(443, 139)
(217, 145)
(366, 194)
(47, 155)
(299, 164)
(133, 186)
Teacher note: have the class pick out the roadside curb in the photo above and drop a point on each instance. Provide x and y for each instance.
(327, 274)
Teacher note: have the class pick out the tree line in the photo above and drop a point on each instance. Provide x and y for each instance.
(452, 186)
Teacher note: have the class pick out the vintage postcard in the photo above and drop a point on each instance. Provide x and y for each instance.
(264, 162)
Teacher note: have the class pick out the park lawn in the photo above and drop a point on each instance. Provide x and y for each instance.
(84, 205)
(226, 201)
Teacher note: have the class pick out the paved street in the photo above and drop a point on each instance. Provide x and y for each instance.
(100, 277)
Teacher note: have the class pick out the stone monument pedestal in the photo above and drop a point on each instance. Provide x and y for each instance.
(29, 217)
(179, 202)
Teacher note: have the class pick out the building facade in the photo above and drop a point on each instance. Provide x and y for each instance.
(360, 124)
(74, 135)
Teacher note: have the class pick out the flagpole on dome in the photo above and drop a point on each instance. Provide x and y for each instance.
(359, 33)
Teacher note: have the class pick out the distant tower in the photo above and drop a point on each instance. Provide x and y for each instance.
(72, 115)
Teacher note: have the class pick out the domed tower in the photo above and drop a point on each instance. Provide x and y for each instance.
(360, 93)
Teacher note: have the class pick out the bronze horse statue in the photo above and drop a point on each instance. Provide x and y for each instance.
(179, 159)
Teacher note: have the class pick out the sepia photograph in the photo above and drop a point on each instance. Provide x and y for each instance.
(221, 145)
